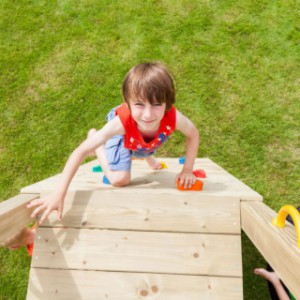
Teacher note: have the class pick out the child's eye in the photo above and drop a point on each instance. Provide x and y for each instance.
(157, 104)
(139, 104)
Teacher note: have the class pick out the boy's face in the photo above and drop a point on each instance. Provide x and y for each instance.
(146, 115)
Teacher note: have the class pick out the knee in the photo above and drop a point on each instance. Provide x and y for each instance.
(120, 180)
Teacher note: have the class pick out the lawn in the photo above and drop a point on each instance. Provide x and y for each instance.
(236, 66)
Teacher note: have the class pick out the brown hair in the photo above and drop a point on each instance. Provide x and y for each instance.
(149, 82)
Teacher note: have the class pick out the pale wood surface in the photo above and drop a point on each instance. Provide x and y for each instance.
(14, 215)
(112, 240)
(74, 284)
(218, 181)
(277, 245)
(191, 213)
(130, 251)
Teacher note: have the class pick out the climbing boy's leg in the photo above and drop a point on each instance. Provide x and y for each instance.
(115, 160)
(116, 177)
(153, 162)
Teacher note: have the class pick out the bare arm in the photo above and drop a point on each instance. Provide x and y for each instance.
(184, 125)
(55, 200)
(281, 293)
(274, 279)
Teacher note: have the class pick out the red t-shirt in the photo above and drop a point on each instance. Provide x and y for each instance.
(133, 139)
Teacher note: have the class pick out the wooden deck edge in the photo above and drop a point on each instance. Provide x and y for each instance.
(257, 198)
(277, 245)
(78, 284)
(14, 215)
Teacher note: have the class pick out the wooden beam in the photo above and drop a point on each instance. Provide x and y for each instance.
(75, 284)
(179, 213)
(130, 251)
(277, 245)
(14, 215)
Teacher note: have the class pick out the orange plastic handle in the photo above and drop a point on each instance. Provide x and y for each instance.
(197, 186)
(286, 210)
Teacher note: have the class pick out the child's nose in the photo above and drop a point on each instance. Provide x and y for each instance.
(147, 113)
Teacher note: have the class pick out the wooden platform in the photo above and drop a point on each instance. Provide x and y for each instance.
(145, 241)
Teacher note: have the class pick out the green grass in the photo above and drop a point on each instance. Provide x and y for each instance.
(236, 65)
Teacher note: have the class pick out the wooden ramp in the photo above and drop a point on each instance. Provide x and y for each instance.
(145, 241)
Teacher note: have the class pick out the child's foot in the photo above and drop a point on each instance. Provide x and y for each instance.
(153, 163)
(90, 133)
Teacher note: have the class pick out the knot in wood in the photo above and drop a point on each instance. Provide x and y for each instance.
(144, 293)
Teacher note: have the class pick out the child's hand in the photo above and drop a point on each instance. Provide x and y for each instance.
(21, 238)
(47, 205)
(187, 178)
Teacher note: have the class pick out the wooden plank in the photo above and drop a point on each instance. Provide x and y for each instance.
(74, 284)
(191, 213)
(277, 245)
(218, 181)
(129, 251)
(14, 215)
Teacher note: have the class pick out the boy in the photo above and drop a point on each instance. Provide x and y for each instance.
(136, 128)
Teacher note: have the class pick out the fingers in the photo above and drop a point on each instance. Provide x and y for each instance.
(186, 181)
(34, 203)
(258, 271)
(189, 182)
(263, 273)
(40, 206)
(44, 207)
(59, 215)
(44, 216)
(37, 210)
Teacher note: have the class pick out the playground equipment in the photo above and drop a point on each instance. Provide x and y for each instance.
(286, 210)
(181, 160)
(197, 186)
(163, 165)
(105, 180)
(149, 240)
(199, 173)
(97, 169)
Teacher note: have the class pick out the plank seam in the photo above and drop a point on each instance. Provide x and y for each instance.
(137, 272)
(136, 230)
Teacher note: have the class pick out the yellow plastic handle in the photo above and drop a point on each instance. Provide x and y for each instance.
(163, 165)
(286, 210)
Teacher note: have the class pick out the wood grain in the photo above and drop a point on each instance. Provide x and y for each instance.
(75, 284)
(179, 213)
(131, 251)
